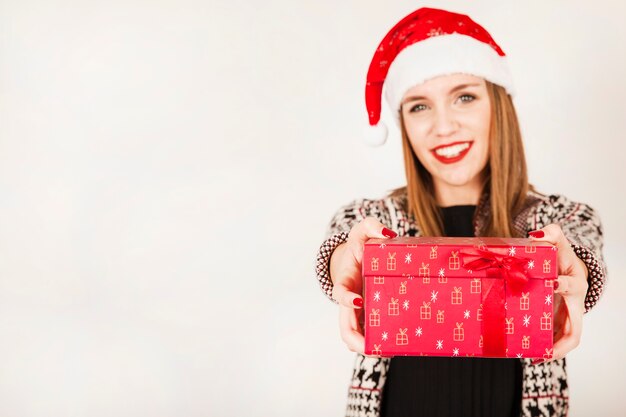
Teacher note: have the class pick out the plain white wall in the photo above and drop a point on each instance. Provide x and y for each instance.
(168, 169)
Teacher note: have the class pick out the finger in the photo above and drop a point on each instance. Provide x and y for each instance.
(553, 234)
(368, 228)
(565, 344)
(572, 330)
(349, 330)
(575, 309)
(561, 285)
(571, 285)
(345, 297)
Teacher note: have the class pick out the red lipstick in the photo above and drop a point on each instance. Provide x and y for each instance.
(450, 160)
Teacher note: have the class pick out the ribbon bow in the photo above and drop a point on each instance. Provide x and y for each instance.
(513, 269)
(507, 273)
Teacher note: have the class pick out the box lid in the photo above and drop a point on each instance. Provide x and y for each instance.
(432, 256)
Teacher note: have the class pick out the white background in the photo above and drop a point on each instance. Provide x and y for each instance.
(168, 170)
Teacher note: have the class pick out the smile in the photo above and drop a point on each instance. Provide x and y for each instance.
(452, 152)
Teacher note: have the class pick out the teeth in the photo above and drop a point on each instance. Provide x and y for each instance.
(452, 151)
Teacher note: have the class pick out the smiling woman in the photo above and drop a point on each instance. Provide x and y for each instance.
(448, 84)
(446, 119)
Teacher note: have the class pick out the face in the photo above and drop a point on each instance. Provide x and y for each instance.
(447, 121)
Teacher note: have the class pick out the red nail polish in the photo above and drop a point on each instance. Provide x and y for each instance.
(537, 233)
(389, 233)
(358, 302)
(555, 284)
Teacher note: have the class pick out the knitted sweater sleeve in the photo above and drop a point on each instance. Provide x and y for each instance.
(583, 228)
(337, 233)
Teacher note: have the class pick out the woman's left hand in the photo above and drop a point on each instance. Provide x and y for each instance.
(570, 290)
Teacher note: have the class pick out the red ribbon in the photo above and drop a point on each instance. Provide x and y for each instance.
(504, 273)
(513, 269)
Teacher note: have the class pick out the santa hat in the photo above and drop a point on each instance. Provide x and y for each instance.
(425, 44)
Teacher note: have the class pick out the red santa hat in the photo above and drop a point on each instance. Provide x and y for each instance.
(425, 44)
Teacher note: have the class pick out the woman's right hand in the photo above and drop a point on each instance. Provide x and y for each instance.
(345, 273)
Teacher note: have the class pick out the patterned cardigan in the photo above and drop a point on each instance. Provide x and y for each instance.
(545, 391)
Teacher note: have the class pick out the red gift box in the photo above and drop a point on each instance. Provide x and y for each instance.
(440, 296)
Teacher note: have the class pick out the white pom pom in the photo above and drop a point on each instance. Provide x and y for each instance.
(376, 135)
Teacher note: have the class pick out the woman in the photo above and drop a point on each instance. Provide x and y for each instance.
(448, 83)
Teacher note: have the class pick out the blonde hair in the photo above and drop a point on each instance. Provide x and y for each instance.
(506, 179)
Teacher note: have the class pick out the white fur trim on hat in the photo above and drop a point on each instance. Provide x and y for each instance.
(443, 55)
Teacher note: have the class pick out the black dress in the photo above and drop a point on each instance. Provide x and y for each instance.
(438, 386)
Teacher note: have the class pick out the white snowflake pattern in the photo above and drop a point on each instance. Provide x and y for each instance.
(442, 273)
(435, 32)
(549, 299)
(455, 352)
(407, 258)
(531, 264)
(410, 277)
(553, 248)
(377, 296)
(466, 314)
(439, 344)
(519, 355)
(469, 271)
(418, 332)
(526, 320)
(511, 251)
(382, 246)
(506, 306)
(384, 336)
(433, 295)
(405, 304)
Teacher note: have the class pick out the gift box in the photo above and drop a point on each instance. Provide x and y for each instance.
(440, 296)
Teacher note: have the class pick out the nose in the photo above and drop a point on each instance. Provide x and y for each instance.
(445, 122)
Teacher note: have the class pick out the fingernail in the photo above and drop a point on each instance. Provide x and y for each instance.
(537, 233)
(358, 302)
(389, 233)
(555, 284)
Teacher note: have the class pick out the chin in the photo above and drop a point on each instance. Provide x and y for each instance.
(460, 183)
(457, 181)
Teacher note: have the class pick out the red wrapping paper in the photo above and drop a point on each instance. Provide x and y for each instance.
(438, 296)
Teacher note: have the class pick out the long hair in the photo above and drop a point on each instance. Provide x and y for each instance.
(506, 178)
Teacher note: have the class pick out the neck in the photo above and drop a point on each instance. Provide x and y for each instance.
(468, 194)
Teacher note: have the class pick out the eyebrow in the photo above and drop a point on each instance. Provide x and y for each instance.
(454, 90)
